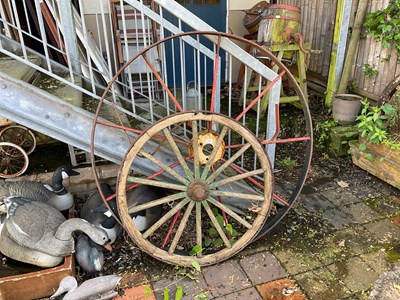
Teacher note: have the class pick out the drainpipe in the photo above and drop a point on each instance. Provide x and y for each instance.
(338, 48)
(351, 51)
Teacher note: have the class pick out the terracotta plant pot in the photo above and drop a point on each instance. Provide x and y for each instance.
(345, 108)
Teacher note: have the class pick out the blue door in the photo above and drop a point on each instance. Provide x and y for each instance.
(213, 12)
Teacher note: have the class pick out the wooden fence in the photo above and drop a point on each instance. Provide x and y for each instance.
(318, 20)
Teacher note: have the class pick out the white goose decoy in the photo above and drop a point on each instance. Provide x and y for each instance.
(56, 195)
(93, 289)
(37, 233)
(93, 210)
(87, 254)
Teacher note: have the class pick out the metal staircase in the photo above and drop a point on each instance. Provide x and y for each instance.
(87, 71)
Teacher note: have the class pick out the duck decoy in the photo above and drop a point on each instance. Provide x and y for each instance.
(96, 288)
(88, 255)
(140, 195)
(94, 211)
(36, 233)
(55, 194)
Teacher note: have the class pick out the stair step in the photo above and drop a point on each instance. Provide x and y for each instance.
(59, 89)
(19, 69)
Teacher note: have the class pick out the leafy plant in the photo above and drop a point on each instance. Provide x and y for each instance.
(214, 240)
(369, 71)
(384, 25)
(373, 121)
(323, 134)
(287, 162)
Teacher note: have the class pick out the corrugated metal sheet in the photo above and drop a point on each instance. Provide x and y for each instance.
(318, 19)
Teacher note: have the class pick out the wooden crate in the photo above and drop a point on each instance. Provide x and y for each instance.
(385, 163)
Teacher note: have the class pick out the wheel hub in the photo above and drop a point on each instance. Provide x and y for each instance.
(198, 191)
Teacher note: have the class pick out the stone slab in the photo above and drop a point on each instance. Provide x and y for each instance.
(262, 267)
(250, 293)
(361, 213)
(226, 278)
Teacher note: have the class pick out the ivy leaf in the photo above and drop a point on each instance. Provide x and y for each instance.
(166, 294)
(179, 293)
(196, 265)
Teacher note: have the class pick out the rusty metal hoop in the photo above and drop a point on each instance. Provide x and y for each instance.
(288, 191)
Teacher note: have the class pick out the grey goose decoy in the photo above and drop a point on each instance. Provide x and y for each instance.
(96, 288)
(88, 255)
(94, 211)
(55, 195)
(36, 233)
(139, 195)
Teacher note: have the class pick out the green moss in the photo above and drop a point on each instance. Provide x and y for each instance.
(373, 203)
(393, 253)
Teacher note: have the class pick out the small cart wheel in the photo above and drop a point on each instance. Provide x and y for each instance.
(20, 136)
(13, 160)
(199, 211)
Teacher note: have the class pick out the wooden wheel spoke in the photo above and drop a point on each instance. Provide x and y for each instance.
(227, 163)
(164, 218)
(164, 167)
(235, 178)
(214, 152)
(199, 234)
(161, 184)
(178, 153)
(181, 228)
(250, 197)
(161, 81)
(230, 212)
(170, 198)
(196, 161)
(218, 227)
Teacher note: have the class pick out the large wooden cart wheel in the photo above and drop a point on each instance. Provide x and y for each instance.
(200, 201)
(164, 94)
(13, 160)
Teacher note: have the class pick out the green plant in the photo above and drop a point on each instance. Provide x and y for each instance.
(369, 71)
(373, 121)
(323, 134)
(351, 86)
(384, 25)
(214, 240)
(287, 162)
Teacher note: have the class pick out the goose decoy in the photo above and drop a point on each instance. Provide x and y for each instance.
(96, 288)
(87, 254)
(140, 195)
(56, 195)
(93, 211)
(36, 233)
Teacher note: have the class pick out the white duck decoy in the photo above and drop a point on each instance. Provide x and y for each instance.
(140, 195)
(93, 289)
(90, 211)
(87, 254)
(37, 233)
(56, 195)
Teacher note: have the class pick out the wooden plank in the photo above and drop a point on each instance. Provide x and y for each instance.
(385, 165)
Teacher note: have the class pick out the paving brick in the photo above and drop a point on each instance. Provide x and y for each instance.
(386, 206)
(361, 213)
(296, 262)
(355, 274)
(192, 288)
(225, 278)
(384, 231)
(377, 261)
(337, 218)
(137, 293)
(262, 267)
(322, 284)
(283, 289)
(341, 197)
(248, 294)
(316, 203)
(357, 239)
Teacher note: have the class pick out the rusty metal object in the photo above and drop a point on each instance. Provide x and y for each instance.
(207, 140)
